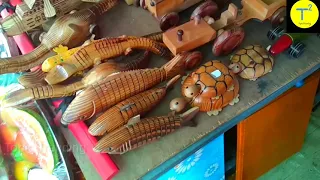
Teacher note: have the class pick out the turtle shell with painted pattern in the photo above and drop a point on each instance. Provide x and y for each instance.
(251, 62)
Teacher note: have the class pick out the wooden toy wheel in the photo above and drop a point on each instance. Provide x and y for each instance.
(143, 4)
(193, 60)
(208, 8)
(136, 3)
(169, 20)
(278, 16)
(296, 50)
(275, 33)
(227, 41)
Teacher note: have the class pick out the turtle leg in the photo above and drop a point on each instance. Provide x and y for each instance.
(234, 101)
(231, 88)
(214, 112)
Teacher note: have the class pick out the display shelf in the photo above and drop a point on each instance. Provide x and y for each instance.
(151, 161)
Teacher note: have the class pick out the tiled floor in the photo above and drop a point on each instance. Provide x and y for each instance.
(306, 163)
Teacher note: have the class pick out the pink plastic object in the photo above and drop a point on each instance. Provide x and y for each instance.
(102, 162)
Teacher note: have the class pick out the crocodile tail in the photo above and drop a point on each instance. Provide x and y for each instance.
(176, 65)
(41, 92)
(155, 36)
(102, 7)
(33, 79)
(23, 62)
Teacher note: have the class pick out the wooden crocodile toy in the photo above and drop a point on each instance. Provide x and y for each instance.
(69, 30)
(136, 61)
(100, 50)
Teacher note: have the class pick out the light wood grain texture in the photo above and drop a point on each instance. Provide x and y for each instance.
(135, 21)
(275, 132)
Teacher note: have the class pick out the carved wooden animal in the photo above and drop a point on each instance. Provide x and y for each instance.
(251, 62)
(118, 87)
(70, 30)
(32, 79)
(138, 133)
(120, 114)
(100, 50)
(64, 54)
(25, 18)
(96, 74)
(211, 87)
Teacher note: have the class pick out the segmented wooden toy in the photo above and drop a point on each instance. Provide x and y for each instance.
(120, 114)
(251, 62)
(96, 74)
(70, 30)
(32, 79)
(138, 133)
(100, 50)
(211, 87)
(116, 88)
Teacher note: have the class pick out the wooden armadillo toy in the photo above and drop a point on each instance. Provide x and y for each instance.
(251, 62)
(138, 133)
(94, 75)
(100, 50)
(118, 87)
(120, 114)
(211, 87)
(70, 30)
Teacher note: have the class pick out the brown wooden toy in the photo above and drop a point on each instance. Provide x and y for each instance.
(32, 79)
(211, 87)
(166, 11)
(101, 50)
(96, 74)
(116, 88)
(274, 10)
(251, 62)
(138, 133)
(70, 30)
(122, 112)
(25, 18)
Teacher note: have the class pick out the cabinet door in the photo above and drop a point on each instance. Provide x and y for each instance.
(275, 132)
(205, 163)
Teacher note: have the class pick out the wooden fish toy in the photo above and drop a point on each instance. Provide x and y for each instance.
(211, 87)
(139, 104)
(70, 30)
(96, 74)
(138, 133)
(100, 50)
(118, 87)
(64, 54)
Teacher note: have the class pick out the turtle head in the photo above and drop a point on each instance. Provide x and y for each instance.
(235, 67)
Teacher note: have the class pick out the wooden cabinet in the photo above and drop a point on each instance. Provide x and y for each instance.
(275, 132)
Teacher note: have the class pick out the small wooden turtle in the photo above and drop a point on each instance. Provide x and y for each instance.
(251, 62)
(211, 87)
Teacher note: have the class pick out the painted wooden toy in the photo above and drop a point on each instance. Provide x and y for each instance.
(122, 112)
(102, 50)
(138, 133)
(118, 87)
(225, 30)
(70, 30)
(290, 42)
(211, 87)
(251, 62)
(140, 60)
(166, 11)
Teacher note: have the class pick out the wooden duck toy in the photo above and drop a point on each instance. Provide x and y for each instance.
(140, 132)
(211, 87)
(225, 31)
(251, 62)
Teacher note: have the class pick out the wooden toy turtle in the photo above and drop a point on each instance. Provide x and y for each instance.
(211, 87)
(251, 62)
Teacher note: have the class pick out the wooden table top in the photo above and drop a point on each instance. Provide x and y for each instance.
(151, 160)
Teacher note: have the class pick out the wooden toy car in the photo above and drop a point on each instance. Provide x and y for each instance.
(166, 11)
(192, 37)
(290, 42)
